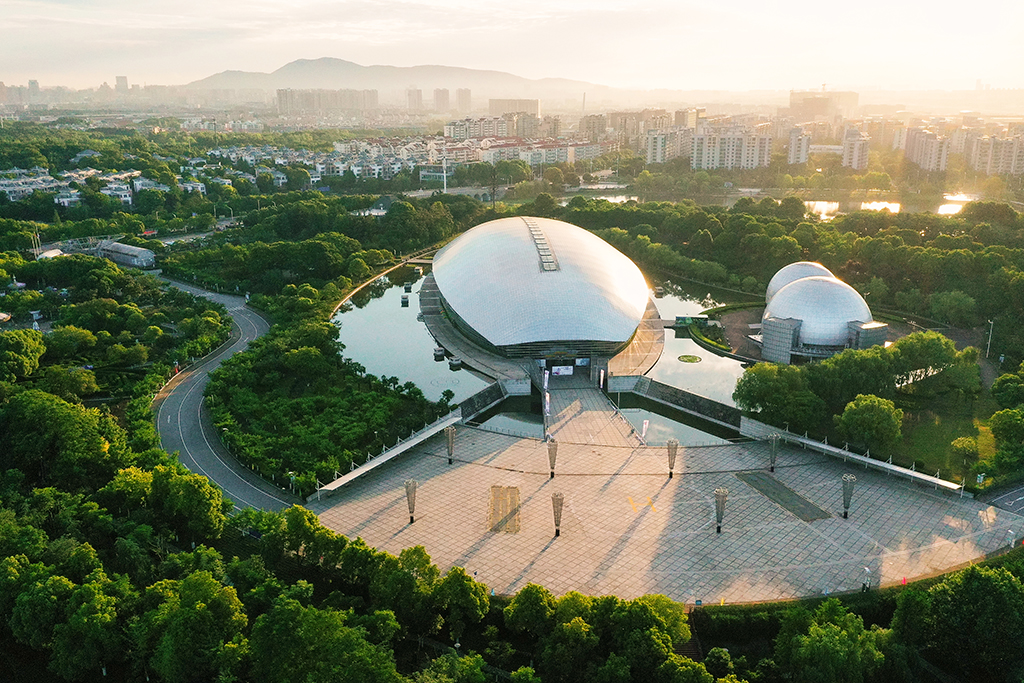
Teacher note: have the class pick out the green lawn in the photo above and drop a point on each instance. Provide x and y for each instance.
(930, 424)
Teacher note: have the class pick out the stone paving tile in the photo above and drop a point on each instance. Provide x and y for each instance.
(628, 529)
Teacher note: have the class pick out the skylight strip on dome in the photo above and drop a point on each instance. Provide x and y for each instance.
(548, 262)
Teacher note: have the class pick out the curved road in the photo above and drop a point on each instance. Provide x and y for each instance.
(184, 425)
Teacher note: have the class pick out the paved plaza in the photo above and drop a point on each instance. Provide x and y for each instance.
(628, 529)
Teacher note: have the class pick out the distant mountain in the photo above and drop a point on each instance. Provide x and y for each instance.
(337, 73)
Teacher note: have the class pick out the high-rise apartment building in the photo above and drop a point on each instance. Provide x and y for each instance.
(482, 127)
(593, 126)
(730, 148)
(501, 107)
(927, 149)
(325, 101)
(667, 144)
(799, 146)
(855, 150)
(121, 85)
(690, 118)
(441, 100)
(414, 99)
(464, 100)
(998, 156)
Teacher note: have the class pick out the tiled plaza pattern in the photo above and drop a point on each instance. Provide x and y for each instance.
(627, 529)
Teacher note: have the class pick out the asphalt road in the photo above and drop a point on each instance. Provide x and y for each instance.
(185, 426)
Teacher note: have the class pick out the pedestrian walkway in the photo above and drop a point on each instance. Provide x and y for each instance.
(584, 415)
(628, 529)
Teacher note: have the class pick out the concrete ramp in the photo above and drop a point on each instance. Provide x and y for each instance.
(373, 463)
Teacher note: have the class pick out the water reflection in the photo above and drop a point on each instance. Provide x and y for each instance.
(387, 339)
(660, 429)
(893, 207)
(825, 211)
(715, 376)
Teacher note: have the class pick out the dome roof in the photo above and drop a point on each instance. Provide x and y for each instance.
(792, 273)
(523, 280)
(824, 305)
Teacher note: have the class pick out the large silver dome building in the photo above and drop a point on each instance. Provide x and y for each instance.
(533, 287)
(815, 316)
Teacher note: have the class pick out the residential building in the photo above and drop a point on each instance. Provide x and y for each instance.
(593, 126)
(481, 127)
(667, 144)
(501, 106)
(414, 99)
(927, 149)
(123, 193)
(730, 147)
(690, 118)
(799, 146)
(855, 150)
(442, 101)
(464, 100)
(998, 155)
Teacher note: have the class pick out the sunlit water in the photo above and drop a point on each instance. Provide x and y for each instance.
(826, 210)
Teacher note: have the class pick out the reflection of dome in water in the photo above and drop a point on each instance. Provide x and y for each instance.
(530, 285)
(824, 305)
(792, 273)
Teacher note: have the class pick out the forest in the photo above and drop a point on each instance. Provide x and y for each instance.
(116, 561)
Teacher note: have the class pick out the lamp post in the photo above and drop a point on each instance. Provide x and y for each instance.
(552, 453)
(410, 498)
(557, 501)
(989, 346)
(849, 481)
(773, 453)
(449, 433)
(673, 448)
(721, 496)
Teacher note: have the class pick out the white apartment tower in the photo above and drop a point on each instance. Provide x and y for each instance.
(730, 148)
(464, 100)
(663, 145)
(855, 150)
(414, 99)
(442, 102)
(799, 146)
(998, 156)
(927, 149)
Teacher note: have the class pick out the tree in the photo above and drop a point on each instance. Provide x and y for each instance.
(678, 669)
(464, 600)
(976, 621)
(69, 341)
(184, 632)
(955, 308)
(56, 442)
(70, 383)
(828, 646)
(553, 176)
(531, 610)
(20, 351)
(872, 421)
(568, 651)
(296, 644)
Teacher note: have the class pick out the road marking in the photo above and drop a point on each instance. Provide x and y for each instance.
(631, 504)
(651, 503)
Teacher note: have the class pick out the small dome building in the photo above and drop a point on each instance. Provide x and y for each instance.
(792, 273)
(537, 287)
(815, 316)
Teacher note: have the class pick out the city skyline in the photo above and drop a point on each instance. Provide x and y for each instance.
(660, 45)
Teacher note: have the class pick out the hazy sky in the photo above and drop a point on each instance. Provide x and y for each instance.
(739, 45)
